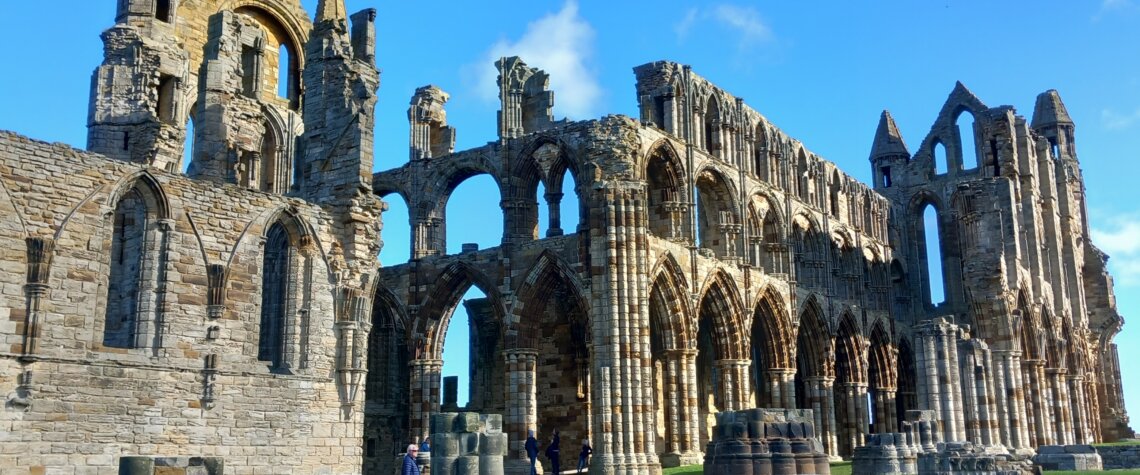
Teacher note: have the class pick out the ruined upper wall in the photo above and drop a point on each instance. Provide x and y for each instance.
(721, 127)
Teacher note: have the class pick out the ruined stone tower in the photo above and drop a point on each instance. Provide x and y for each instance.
(231, 306)
(221, 304)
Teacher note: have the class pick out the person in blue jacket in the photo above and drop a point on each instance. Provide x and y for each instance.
(552, 453)
(410, 467)
(584, 455)
(532, 450)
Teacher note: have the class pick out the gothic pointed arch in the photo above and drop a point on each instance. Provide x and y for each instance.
(431, 321)
(286, 274)
(136, 252)
(717, 210)
(814, 353)
(664, 174)
(550, 282)
(882, 357)
(721, 306)
(773, 335)
(670, 318)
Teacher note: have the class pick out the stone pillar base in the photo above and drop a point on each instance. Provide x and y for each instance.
(682, 459)
(521, 467)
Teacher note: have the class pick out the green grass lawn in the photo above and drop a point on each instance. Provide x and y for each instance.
(844, 468)
(839, 468)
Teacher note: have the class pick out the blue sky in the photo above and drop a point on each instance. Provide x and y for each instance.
(821, 71)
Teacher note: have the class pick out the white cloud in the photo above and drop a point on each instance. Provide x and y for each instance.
(562, 44)
(1121, 241)
(1110, 6)
(745, 22)
(1113, 120)
(682, 28)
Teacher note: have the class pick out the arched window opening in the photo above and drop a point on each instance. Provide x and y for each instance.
(1056, 148)
(939, 158)
(715, 216)
(666, 207)
(544, 211)
(708, 403)
(163, 12)
(933, 251)
(275, 280)
(966, 132)
(461, 347)
(397, 232)
(760, 156)
(712, 127)
(167, 90)
(276, 168)
(125, 283)
(386, 387)
(560, 214)
(188, 145)
(283, 72)
(906, 399)
(995, 159)
(471, 216)
(249, 71)
(834, 194)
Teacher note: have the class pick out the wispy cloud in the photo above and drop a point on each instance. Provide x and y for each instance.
(682, 27)
(1111, 6)
(744, 22)
(1116, 121)
(1120, 239)
(562, 44)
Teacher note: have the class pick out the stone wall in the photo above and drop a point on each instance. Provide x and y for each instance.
(195, 386)
(1115, 457)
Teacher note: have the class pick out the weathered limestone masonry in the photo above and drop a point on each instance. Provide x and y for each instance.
(467, 443)
(718, 265)
(765, 442)
(232, 308)
(223, 315)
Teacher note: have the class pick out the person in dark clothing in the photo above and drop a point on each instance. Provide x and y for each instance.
(410, 467)
(532, 450)
(425, 446)
(584, 455)
(552, 454)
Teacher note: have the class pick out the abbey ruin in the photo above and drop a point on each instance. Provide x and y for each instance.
(238, 311)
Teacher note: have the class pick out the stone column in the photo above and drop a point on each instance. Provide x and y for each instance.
(977, 395)
(939, 381)
(522, 405)
(821, 397)
(781, 388)
(684, 445)
(1035, 406)
(1080, 411)
(554, 210)
(424, 398)
(1015, 433)
(1059, 396)
(854, 426)
(622, 396)
(734, 383)
(886, 410)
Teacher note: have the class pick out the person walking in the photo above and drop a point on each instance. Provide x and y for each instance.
(532, 450)
(584, 455)
(410, 467)
(552, 454)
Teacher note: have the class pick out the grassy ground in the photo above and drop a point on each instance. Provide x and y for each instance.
(844, 468)
(1119, 443)
(840, 468)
